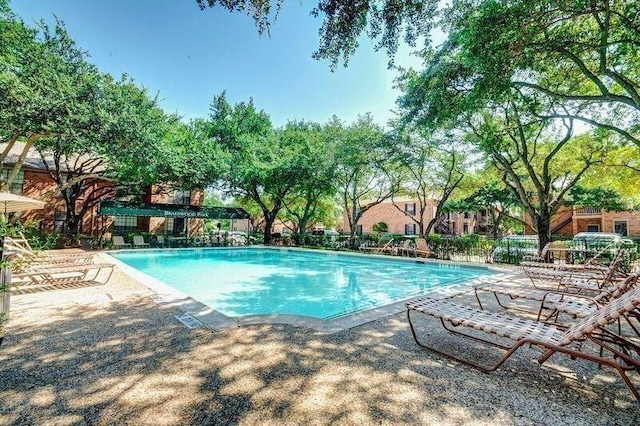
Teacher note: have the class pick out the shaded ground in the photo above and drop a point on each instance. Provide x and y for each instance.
(109, 354)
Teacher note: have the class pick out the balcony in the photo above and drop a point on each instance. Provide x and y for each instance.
(587, 211)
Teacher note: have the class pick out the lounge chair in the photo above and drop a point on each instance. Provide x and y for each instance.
(63, 275)
(138, 241)
(576, 305)
(160, 241)
(387, 248)
(575, 277)
(23, 254)
(614, 350)
(421, 249)
(118, 242)
(405, 247)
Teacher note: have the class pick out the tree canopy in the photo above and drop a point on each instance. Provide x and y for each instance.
(345, 21)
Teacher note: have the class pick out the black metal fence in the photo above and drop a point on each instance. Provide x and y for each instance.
(5, 283)
(507, 250)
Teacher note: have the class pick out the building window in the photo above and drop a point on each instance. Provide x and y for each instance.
(466, 215)
(410, 229)
(410, 208)
(359, 229)
(620, 227)
(122, 224)
(175, 226)
(180, 197)
(465, 228)
(18, 182)
(593, 228)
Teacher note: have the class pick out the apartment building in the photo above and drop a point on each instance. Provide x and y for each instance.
(572, 220)
(401, 215)
(34, 181)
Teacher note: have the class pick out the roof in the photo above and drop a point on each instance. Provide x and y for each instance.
(33, 160)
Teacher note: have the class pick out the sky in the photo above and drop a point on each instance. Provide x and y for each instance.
(188, 56)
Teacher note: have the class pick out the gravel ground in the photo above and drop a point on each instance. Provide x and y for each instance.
(110, 355)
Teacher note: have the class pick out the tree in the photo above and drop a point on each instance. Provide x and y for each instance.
(365, 176)
(539, 160)
(47, 88)
(314, 183)
(432, 168)
(495, 198)
(106, 162)
(261, 165)
(346, 20)
(580, 54)
(599, 198)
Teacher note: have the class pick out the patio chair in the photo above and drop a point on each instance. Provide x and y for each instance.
(138, 241)
(422, 248)
(118, 242)
(580, 276)
(405, 248)
(387, 248)
(63, 275)
(160, 241)
(535, 260)
(576, 305)
(22, 254)
(614, 350)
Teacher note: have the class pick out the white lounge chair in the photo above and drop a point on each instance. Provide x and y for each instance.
(138, 241)
(118, 242)
(612, 350)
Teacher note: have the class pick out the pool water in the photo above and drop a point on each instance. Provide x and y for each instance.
(252, 281)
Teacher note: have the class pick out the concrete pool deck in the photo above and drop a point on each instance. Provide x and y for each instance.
(111, 355)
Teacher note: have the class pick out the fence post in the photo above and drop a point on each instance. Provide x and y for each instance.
(5, 283)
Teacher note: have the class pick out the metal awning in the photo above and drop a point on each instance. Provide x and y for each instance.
(127, 208)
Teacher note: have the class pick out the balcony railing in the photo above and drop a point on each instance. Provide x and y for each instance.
(587, 211)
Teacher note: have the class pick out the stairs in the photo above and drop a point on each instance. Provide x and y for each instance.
(561, 222)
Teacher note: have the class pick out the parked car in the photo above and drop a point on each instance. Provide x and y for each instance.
(588, 244)
(513, 248)
(600, 239)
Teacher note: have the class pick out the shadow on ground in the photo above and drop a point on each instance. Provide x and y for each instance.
(117, 357)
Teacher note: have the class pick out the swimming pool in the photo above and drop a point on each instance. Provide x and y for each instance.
(258, 281)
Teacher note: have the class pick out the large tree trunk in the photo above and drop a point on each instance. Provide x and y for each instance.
(496, 220)
(543, 227)
(302, 231)
(268, 223)
(353, 227)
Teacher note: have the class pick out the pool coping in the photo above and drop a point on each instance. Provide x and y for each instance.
(217, 321)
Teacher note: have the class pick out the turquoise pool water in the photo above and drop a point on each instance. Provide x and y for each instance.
(323, 285)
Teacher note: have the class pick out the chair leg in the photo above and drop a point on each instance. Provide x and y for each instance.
(509, 349)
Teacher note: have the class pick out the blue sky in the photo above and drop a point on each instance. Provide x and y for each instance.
(189, 55)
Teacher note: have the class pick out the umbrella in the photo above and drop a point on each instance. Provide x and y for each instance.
(10, 203)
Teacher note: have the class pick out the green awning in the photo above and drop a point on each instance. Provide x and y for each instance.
(127, 208)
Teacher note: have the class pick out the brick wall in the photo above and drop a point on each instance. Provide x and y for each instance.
(38, 184)
(390, 214)
(632, 219)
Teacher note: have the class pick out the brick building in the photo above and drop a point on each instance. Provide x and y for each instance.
(34, 181)
(572, 220)
(399, 213)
